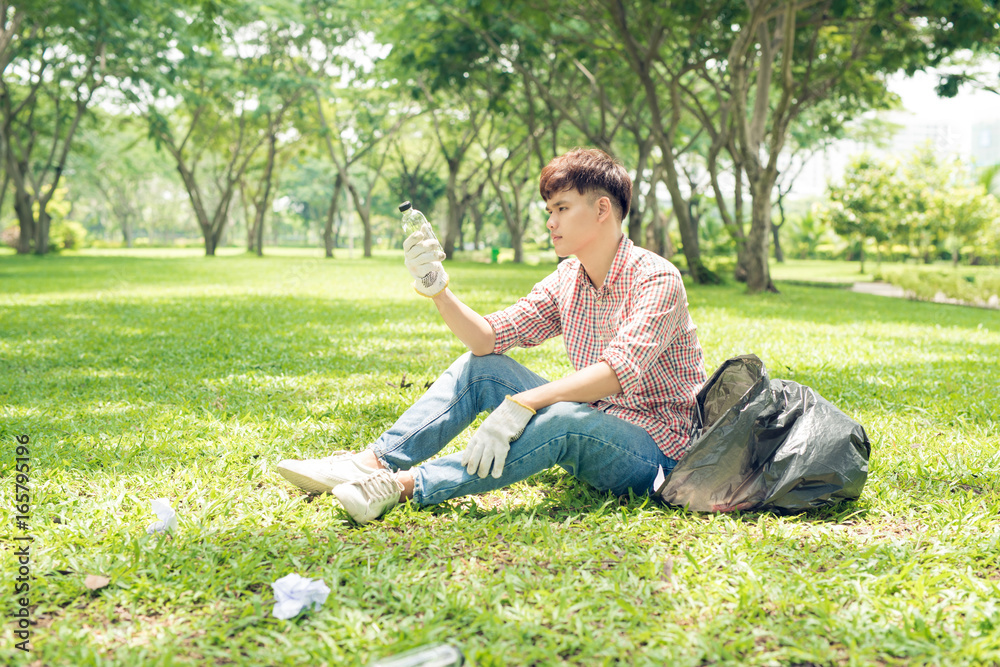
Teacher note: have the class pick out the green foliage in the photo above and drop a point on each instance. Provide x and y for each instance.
(67, 235)
(925, 204)
(974, 288)
(866, 204)
(139, 377)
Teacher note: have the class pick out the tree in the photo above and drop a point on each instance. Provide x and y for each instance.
(862, 207)
(279, 90)
(925, 202)
(966, 213)
(54, 57)
(117, 163)
(813, 133)
(358, 117)
(770, 61)
(457, 86)
(210, 107)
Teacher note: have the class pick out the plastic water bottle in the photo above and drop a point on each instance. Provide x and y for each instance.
(413, 219)
(435, 655)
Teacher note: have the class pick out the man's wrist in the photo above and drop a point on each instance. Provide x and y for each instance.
(529, 399)
(523, 405)
(440, 296)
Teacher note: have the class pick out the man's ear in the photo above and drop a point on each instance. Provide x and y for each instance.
(604, 207)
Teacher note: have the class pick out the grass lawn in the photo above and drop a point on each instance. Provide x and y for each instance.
(139, 377)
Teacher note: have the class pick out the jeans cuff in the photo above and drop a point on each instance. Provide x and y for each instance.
(380, 455)
(418, 486)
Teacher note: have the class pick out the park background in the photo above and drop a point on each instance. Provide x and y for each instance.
(203, 275)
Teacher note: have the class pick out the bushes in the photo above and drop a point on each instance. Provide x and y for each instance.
(66, 235)
(930, 285)
(63, 235)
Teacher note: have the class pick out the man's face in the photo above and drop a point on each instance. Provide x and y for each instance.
(572, 221)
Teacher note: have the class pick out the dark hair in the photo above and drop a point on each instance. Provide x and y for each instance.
(588, 170)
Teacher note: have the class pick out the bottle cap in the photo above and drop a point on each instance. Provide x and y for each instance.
(405, 206)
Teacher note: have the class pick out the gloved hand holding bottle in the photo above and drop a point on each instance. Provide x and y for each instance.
(423, 253)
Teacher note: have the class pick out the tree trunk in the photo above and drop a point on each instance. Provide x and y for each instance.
(22, 206)
(636, 212)
(517, 242)
(42, 230)
(366, 222)
(758, 271)
(6, 174)
(259, 228)
(127, 234)
(248, 219)
(261, 208)
(779, 255)
(657, 236)
(452, 231)
(194, 195)
(689, 236)
(329, 240)
(477, 222)
(740, 272)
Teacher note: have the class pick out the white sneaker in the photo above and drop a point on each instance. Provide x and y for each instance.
(371, 497)
(321, 475)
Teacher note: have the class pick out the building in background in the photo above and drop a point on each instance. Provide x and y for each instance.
(965, 126)
(986, 144)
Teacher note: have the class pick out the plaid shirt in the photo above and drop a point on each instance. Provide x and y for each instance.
(637, 322)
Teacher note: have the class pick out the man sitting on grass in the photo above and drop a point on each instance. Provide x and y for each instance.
(626, 411)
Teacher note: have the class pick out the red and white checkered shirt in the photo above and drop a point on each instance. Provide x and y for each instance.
(637, 322)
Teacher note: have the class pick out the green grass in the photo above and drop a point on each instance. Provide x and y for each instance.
(821, 271)
(142, 376)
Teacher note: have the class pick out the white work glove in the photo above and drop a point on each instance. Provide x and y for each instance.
(423, 260)
(490, 444)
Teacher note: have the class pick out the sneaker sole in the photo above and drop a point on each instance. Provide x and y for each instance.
(305, 483)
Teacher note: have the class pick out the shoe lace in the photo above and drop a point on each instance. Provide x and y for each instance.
(379, 484)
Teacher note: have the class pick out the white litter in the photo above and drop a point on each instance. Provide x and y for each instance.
(294, 593)
(165, 513)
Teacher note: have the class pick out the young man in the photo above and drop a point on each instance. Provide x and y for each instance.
(625, 413)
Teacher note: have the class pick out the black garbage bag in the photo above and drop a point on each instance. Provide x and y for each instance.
(765, 444)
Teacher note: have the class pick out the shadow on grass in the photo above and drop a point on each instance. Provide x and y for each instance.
(564, 498)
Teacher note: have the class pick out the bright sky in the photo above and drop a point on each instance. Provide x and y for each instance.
(923, 106)
(948, 122)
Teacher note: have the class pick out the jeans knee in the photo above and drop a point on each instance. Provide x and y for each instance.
(486, 365)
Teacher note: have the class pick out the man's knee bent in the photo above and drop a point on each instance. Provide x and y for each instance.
(487, 364)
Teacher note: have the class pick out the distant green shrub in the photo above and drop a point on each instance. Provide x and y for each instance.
(66, 235)
(977, 289)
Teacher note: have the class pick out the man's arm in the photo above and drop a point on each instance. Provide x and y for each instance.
(469, 326)
(583, 386)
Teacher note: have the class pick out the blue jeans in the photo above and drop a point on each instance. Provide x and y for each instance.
(604, 451)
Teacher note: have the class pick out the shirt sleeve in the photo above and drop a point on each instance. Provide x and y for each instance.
(654, 321)
(531, 321)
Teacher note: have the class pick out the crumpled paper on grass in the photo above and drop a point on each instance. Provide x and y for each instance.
(295, 593)
(165, 513)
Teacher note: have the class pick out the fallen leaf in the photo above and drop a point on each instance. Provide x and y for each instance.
(95, 581)
(668, 568)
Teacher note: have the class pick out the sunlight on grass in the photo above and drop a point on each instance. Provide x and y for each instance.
(141, 376)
